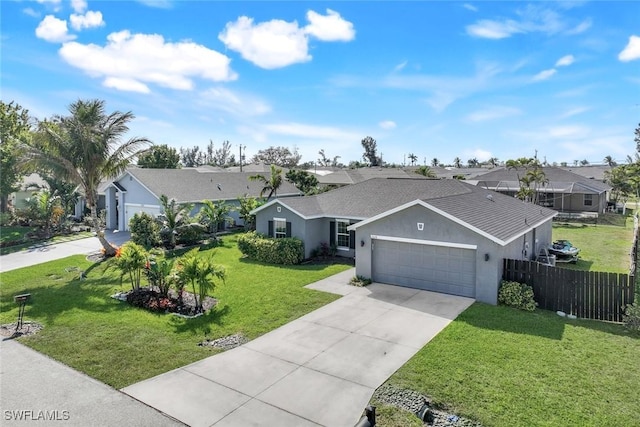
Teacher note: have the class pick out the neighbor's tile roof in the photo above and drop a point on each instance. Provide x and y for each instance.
(498, 215)
(192, 185)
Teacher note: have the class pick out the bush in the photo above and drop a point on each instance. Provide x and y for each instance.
(518, 295)
(190, 234)
(285, 251)
(144, 230)
(359, 281)
(5, 219)
(631, 318)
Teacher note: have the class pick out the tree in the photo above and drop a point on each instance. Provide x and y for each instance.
(247, 205)
(531, 180)
(159, 157)
(222, 156)
(608, 160)
(66, 191)
(200, 271)
(303, 180)
(325, 161)
(86, 148)
(636, 139)
(494, 162)
(15, 129)
(271, 184)
(44, 207)
(473, 163)
(370, 151)
(192, 157)
(174, 215)
(278, 156)
(457, 162)
(435, 162)
(584, 162)
(426, 171)
(412, 158)
(212, 215)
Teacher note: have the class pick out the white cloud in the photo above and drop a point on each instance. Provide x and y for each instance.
(631, 51)
(232, 102)
(53, 30)
(531, 19)
(130, 61)
(387, 124)
(90, 19)
(470, 7)
(160, 4)
(79, 6)
(565, 61)
(51, 4)
(478, 153)
(29, 11)
(329, 27)
(400, 66)
(567, 132)
(493, 113)
(272, 44)
(574, 112)
(544, 75)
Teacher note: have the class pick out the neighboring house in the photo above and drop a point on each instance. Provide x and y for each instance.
(440, 235)
(28, 185)
(565, 191)
(139, 190)
(340, 177)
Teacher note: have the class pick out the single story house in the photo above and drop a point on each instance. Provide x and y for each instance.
(439, 235)
(139, 190)
(564, 190)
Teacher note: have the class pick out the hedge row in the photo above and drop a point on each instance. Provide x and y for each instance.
(285, 251)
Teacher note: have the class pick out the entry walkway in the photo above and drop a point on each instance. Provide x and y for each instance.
(320, 369)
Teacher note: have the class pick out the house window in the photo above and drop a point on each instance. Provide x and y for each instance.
(342, 234)
(588, 199)
(279, 228)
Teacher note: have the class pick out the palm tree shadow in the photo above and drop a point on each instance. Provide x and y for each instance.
(201, 325)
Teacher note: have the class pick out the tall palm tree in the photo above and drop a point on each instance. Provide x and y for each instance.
(271, 184)
(85, 148)
(413, 158)
(212, 215)
(457, 162)
(609, 161)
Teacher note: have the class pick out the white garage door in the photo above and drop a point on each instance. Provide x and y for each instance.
(132, 208)
(451, 270)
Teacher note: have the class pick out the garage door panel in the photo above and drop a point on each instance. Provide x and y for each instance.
(430, 267)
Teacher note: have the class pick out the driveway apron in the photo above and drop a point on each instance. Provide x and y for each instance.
(320, 369)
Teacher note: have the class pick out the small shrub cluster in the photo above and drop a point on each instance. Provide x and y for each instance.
(144, 230)
(631, 318)
(325, 250)
(518, 295)
(359, 281)
(285, 251)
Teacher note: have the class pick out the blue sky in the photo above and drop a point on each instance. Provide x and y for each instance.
(434, 78)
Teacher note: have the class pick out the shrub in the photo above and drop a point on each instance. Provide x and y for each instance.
(285, 251)
(631, 318)
(144, 230)
(159, 273)
(190, 234)
(5, 219)
(359, 281)
(518, 295)
(130, 259)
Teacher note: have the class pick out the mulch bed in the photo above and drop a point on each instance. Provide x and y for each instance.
(151, 300)
(8, 330)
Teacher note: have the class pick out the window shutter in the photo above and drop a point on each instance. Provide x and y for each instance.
(332, 233)
(352, 239)
(270, 228)
(288, 229)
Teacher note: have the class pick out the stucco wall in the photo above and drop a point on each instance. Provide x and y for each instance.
(136, 193)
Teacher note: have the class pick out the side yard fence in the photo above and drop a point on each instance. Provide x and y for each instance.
(586, 294)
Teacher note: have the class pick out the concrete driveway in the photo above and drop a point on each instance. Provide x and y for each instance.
(320, 369)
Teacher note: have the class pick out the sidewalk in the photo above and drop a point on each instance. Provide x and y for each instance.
(37, 390)
(43, 253)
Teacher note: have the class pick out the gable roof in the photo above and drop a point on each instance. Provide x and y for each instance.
(496, 216)
(560, 181)
(354, 176)
(193, 185)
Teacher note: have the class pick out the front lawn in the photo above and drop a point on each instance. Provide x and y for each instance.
(602, 247)
(121, 345)
(504, 367)
(14, 239)
(14, 234)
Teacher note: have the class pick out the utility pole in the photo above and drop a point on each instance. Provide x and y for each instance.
(241, 156)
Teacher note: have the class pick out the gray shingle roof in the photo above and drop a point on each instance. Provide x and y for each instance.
(191, 185)
(500, 216)
(560, 180)
(354, 176)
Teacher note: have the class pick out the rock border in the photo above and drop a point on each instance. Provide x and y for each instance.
(8, 330)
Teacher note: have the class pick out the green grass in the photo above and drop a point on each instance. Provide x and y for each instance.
(121, 345)
(14, 234)
(602, 247)
(504, 367)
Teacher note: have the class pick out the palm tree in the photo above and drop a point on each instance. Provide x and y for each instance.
(493, 162)
(413, 158)
(212, 215)
(271, 184)
(435, 162)
(86, 148)
(426, 171)
(609, 161)
(457, 162)
(173, 216)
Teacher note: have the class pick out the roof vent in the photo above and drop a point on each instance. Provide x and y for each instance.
(490, 197)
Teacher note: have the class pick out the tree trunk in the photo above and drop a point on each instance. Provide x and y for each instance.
(109, 250)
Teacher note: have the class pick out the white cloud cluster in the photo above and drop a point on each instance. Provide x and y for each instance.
(493, 113)
(532, 19)
(53, 30)
(387, 124)
(223, 99)
(631, 51)
(129, 61)
(565, 61)
(277, 43)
